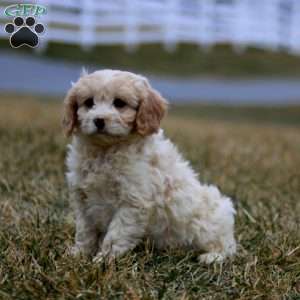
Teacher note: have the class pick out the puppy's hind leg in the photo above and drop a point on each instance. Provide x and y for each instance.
(217, 251)
(215, 229)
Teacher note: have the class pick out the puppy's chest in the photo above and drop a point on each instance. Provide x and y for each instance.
(105, 177)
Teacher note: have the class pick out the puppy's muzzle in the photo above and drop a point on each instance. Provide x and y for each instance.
(99, 123)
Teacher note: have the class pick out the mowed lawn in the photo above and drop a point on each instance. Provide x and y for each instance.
(256, 163)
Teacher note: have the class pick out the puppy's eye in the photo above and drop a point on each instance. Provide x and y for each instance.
(119, 103)
(89, 103)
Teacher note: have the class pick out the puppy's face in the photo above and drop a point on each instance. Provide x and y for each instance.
(111, 105)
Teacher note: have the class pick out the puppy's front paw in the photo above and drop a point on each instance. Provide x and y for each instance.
(99, 258)
(209, 258)
(74, 251)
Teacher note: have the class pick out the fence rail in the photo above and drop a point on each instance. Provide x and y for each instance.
(268, 24)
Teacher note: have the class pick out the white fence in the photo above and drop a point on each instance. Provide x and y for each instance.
(268, 24)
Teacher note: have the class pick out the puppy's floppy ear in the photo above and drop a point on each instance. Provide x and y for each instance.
(70, 113)
(151, 111)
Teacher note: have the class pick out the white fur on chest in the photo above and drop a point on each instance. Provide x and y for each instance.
(110, 178)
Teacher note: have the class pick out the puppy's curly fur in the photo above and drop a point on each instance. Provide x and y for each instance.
(128, 181)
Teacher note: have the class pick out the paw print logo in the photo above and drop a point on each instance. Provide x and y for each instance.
(24, 33)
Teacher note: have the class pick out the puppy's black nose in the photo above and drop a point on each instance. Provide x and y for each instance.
(99, 123)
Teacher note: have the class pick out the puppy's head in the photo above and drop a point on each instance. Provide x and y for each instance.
(111, 105)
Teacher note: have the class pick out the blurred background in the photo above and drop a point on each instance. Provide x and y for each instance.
(231, 71)
(224, 52)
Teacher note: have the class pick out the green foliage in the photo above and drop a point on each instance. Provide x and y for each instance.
(186, 60)
(257, 164)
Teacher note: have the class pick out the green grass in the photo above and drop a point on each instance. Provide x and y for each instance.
(256, 163)
(186, 60)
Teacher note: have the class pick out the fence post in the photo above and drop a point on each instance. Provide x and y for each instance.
(131, 26)
(45, 20)
(172, 21)
(241, 26)
(285, 19)
(294, 43)
(273, 26)
(87, 28)
(206, 33)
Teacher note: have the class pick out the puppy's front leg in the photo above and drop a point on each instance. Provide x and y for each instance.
(124, 232)
(86, 237)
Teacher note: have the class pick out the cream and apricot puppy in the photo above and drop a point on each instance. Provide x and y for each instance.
(128, 181)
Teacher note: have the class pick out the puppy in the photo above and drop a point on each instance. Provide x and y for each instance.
(128, 181)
